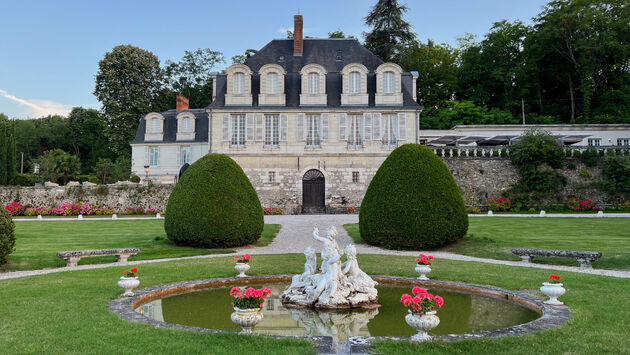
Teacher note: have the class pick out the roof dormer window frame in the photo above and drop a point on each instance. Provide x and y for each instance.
(389, 85)
(313, 85)
(154, 130)
(186, 133)
(239, 85)
(354, 85)
(271, 85)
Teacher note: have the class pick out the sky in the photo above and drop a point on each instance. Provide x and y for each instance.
(49, 50)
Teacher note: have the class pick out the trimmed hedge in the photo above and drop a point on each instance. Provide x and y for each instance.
(7, 235)
(214, 205)
(412, 202)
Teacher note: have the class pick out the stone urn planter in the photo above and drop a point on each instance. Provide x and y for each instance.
(128, 284)
(246, 318)
(423, 270)
(241, 268)
(423, 323)
(553, 291)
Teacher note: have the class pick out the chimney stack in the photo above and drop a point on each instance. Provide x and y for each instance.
(181, 103)
(298, 45)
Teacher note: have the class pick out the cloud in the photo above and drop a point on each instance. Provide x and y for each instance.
(38, 108)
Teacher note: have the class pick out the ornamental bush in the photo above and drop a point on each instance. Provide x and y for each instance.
(214, 205)
(7, 235)
(412, 202)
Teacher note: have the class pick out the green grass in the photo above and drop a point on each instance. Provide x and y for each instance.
(353, 232)
(495, 237)
(269, 233)
(67, 312)
(37, 243)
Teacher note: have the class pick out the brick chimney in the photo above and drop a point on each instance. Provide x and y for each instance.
(298, 42)
(181, 102)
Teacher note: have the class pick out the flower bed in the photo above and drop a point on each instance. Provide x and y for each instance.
(73, 209)
(272, 210)
(576, 204)
(499, 203)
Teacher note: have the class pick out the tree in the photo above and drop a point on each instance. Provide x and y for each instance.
(336, 34)
(11, 153)
(191, 75)
(534, 156)
(68, 165)
(390, 34)
(87, 139)
(56, 162)
(4, 123)
(242, 58)
(454, 113)
(104, 170)
(127, 83)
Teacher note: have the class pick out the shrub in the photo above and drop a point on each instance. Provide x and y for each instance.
(585, 173)
(14, 208)
(7, 235)
(567, 153)
(576, 204)
(89, 178)
(102, 190)
(589, 157)
(617, 174)
(499, 203)
(535, 149)
(135, 179)
(504, 153)
(214, 205)
(272, 210)
(412, 202)
(577, 154)
(26, 179)
(571, 166)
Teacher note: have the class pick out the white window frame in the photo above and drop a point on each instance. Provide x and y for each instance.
(154, 156)
(155, 125)
(238, 134)
(389, 82)
(272, 130)
(390, 130)
(239, 83)
(313, 83)
(313, 131)
(623, 142)
(594, 142)
(355, 82)
(355, 130)
(186, 155)
(272, 83)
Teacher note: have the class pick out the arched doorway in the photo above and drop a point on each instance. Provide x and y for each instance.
(313, 192)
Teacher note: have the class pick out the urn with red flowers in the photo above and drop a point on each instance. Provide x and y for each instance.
(553, 289)
(129, 281)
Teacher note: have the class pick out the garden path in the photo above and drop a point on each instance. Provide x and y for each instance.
(296, 234)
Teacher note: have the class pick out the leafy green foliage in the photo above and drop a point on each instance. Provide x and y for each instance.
(242, 58)
(214, 205)
(412, 202)
(589, 157)
(7, 235)
(617, 174)
(390, 34)
(56, 163)
(534, 156)
(464, 113)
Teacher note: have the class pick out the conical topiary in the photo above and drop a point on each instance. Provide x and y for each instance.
(214, 205)
(412, 202)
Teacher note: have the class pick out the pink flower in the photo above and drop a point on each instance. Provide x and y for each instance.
(240, 294)
(267, 291)
(418, 290)
(261, 305)
(249, 292)
(439, 300)
(430, 257)
(416, 300)
(247, 257)
(234, 291)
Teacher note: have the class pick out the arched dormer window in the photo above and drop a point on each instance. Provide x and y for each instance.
(239, 85)
(313, 85)
(389, 85)
(271, 85)
(185, 126)
(154, 127)
(354, 85)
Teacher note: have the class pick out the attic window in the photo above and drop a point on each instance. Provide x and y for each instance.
(338, 55)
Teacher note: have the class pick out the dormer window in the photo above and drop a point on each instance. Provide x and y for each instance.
(271, 85)
(185, 126)
(389, 81)
(239, 83)
(355, 82)
(154, 127)
(313, 83)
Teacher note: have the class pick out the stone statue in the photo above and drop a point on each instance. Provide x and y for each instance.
(337, 285)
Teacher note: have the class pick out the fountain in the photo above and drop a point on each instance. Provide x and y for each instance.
(338, 285)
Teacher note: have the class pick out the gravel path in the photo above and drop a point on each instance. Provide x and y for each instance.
(296, 234)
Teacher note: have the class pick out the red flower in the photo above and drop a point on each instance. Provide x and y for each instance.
(554, 277)
(430, 257)
(240, 294)
(126, 272)
(439, 301)
(134, 270)
(247, 257)
(234, 291)
(261, 305)
(416, 300)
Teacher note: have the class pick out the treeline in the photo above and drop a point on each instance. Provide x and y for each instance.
(571, 66)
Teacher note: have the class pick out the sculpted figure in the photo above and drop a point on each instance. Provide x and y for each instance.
(329, 281)
(359, 280)
(310, 268)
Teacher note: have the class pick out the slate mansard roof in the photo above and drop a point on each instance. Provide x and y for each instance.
(332, 54)
(170, 127)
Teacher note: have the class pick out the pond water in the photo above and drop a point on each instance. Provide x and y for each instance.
(461, 313)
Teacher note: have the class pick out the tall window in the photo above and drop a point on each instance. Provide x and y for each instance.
(623, 141)
(355, 136)
(313, 125)
(313, 83)
(390, 130)
(388, 82)
(355, 82)
(154, 156)
(186, 124)
(155, 125)
(238, 130)
(239, 83)
(272, 130)
(594, 142)
(185, 155)
(272, 83)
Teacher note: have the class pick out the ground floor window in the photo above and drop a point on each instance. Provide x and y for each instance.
(355, 177)
(623, 141)
(185, 155)
(272, 177)
(313, 131)
(238, 130)
(154, 156)
(272, 130)
(355, 135)
(390, 130)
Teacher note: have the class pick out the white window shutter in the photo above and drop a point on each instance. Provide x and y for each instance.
(402, 126)
(226, 127)
(376, 126)
(259, 127)
(325, 123)
(342, 126)
(367, 126)
(300, 133)
(350, 127)
(284, 122)
(249, 123)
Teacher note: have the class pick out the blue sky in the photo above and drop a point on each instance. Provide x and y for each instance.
(49, 50)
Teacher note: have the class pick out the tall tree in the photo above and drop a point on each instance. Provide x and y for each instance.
(191, 75)
(390, 33)
(4, 123)
(87, 139)
(127, 83)
(11, 153)
(242, 58)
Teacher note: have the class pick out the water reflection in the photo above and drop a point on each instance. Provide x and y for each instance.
(461, 313)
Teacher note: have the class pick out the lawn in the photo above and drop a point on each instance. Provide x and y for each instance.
(493, 237)
(67, 312)
(37, 243)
